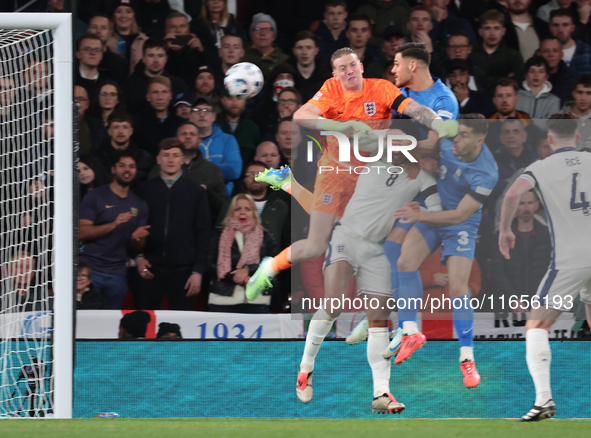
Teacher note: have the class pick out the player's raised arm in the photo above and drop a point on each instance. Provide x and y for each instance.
(510, 204)
(309, 116)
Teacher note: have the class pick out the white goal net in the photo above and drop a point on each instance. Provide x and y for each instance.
(31, 275)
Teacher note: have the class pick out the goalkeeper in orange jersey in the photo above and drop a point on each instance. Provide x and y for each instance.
(344, 97)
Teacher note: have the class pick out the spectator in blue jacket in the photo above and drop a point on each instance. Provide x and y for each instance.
(216, 146)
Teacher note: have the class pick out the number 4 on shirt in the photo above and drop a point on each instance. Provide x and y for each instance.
(574, 205)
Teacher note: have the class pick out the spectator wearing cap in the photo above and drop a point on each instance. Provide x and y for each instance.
(120, 130)
(134, 325)
(175, 255)
(89, 53)
(331, 32)
(577, 54)
(216, 146)
(205, 85)
(186, 52)
(156, 122)
(266, 114)
(151, 16)
(198, 169)
(536, 98)
(115, 65)
(471, 101)
(127, 38)
(384, 13)
(419, 25)
(392, 37)
(182, 105)
(310, 75)
(235, 121)
(215, 21)
(153, 64)
(359, 33)
(459, 47)
(262, 52)
(167, 330)
(445, 22)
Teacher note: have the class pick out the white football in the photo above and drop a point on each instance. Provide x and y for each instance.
(244, 80)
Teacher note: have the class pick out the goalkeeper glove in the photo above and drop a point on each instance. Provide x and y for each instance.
(445, 128)
(348, 128)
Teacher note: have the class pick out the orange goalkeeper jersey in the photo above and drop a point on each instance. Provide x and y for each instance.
(374, 105)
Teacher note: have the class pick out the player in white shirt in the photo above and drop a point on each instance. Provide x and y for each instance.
(563, 184)
(356, 248)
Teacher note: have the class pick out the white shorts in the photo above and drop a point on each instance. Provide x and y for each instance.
(559, 288)
(370, 264)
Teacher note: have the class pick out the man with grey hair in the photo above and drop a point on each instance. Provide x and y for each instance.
(262, 52)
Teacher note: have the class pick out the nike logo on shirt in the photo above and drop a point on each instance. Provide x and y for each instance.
(109, 206)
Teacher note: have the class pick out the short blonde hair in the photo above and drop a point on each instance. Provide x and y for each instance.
(340, 53)
(232, 207)
(160, 80)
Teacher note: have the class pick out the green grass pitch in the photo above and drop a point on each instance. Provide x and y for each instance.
(241, 428)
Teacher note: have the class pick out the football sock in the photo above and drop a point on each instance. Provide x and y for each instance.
(392, 251)
(466, 353)
(279, 263)
(409, 327)
(320, 325)
(377, 341)
(464, 320)
(410, 286)
(538, 358)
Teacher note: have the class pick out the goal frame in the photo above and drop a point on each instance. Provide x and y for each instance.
(63, 278)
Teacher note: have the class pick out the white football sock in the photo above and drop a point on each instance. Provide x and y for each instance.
(286, 186)
(466, 353)
(320, 325)
(410, 327)
(538, 358)
(377, 341)
(268, 267)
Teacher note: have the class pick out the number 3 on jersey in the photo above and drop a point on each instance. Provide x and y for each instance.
(574, 205)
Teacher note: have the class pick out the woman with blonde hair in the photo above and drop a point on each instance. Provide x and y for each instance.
(236, 252)
(215, 21)
(127, 39)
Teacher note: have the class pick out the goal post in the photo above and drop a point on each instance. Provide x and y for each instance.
(62, 254)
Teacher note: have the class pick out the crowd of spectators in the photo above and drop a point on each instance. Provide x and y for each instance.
(167, 158)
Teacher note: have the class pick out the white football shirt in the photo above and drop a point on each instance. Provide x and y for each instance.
(370, 211)
(563, 184)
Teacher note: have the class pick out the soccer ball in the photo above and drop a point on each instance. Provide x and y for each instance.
(244, 80)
